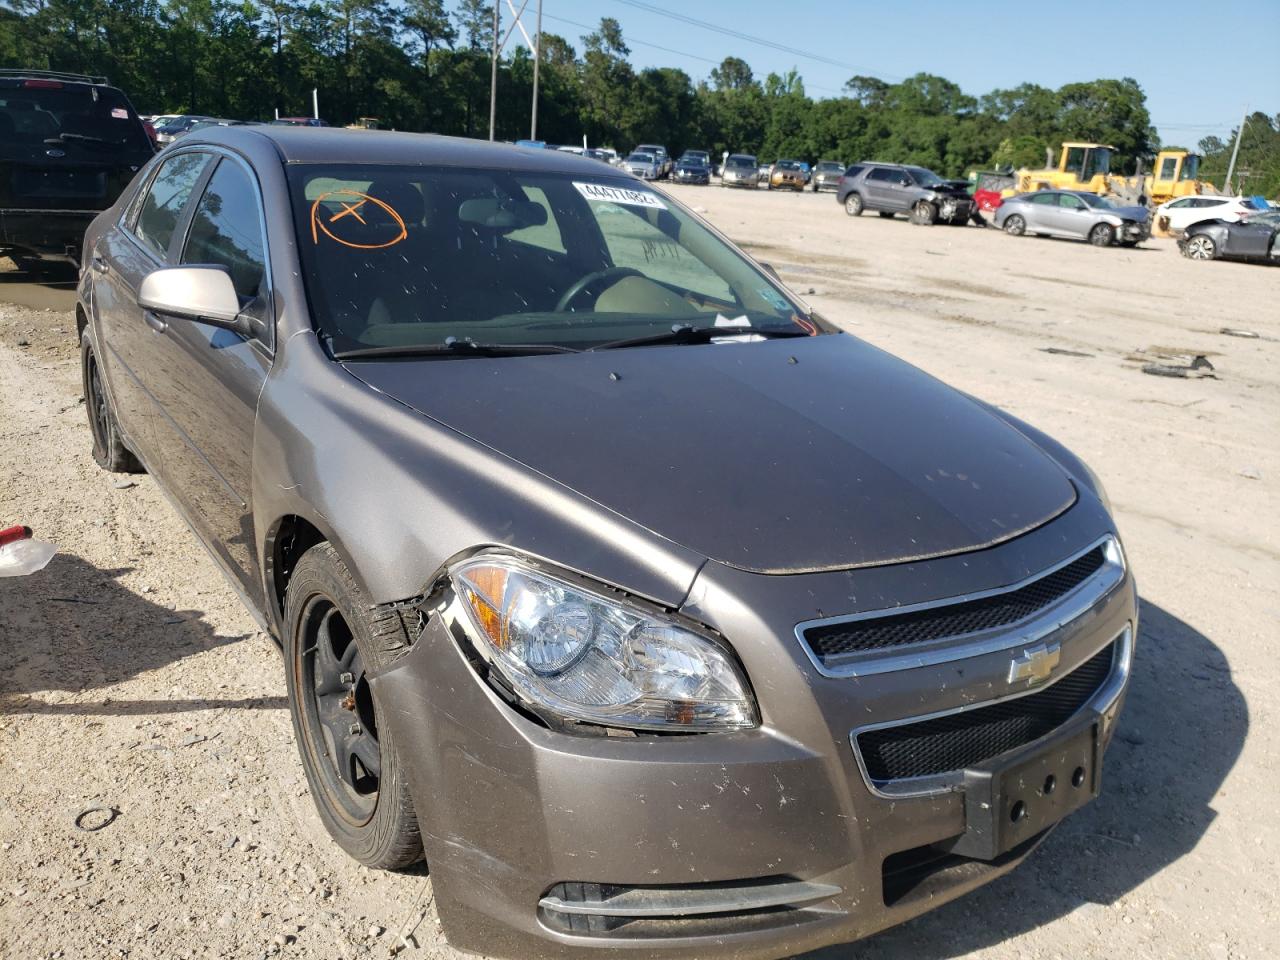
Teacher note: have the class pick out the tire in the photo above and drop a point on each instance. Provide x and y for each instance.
(1015, 225)
(332, 640)
(885, 214)
(853, 205)
(1200, 247)
(924, 214)
(1102, 235)
(109, 450)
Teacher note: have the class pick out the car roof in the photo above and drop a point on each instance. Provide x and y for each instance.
(337, 145)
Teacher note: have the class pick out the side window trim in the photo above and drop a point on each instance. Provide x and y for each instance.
(131, 230)
(183, 232)
(178, 242)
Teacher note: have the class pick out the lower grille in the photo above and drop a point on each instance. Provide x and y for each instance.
(958, 740)
(695, 909)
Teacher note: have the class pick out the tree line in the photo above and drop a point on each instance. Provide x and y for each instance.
(424, 65)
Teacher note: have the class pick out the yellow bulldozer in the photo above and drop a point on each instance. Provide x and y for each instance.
(1081, 166)
(1087, 167)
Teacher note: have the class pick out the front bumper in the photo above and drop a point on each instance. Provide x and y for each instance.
(956, 208)
(519, 820)
(1134, 232)
(50, 234)
(684, 176)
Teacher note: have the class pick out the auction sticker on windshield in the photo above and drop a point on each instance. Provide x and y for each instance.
(636, 198)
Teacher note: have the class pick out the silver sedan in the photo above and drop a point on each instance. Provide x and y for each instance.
(1073, 214)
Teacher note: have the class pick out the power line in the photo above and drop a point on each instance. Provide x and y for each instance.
(749, 38)
(678, 53)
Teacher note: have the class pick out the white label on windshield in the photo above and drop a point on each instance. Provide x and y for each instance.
(636, 198)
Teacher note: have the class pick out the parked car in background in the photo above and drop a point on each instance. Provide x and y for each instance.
(646, 166)
(1255, 237)
(160, 119)
(764, 171)
(595, 154)
(168, 132)
(807, 171)
(786, 175)
(219, 122)
(694, 166)
(826, 175)
(1176, 215)
(660, 155)
(69, 143)
(300, 122)
(1073, 214)
(681, 659)
(893, 188)
(740, 170)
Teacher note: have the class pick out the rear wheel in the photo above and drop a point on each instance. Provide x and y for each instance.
(924, 213)
(1201, 247)
(1102, 235)
(853, 205)
(1015, 226)
(357, 778)
(109, 451)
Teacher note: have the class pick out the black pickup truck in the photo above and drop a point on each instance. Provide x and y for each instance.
(69, 144)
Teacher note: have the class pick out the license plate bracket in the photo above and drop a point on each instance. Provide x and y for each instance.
(1012, 802)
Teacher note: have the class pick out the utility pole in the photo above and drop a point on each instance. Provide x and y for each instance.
(1235, 151)
(493, 75)
(537, 57)
(315, 102)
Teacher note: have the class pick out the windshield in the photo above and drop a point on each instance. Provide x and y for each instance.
(640, 158)
(34, 111)
(789, 164)
(1093, 200)
(408, 257)
(741, 161)
(827, 166)
(926, 178)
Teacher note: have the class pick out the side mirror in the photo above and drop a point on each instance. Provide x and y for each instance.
(194, 293)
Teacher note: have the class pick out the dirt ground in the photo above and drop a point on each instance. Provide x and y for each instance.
(137, 682)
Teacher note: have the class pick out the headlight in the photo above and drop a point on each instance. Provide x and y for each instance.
(582, 656)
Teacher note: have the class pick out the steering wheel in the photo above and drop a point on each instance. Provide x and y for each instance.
(612, 274)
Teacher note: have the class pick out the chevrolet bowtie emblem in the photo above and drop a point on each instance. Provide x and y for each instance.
(1035, 664)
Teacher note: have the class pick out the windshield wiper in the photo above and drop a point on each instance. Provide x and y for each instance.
(451, 347)
(683, 333)
(65, 136)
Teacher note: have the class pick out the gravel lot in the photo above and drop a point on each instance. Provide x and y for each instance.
(136, 681)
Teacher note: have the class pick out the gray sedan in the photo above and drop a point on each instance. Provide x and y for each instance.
(589, 589)
(1073, 214)
(646, 166)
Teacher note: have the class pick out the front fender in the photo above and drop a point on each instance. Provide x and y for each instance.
(399, 494)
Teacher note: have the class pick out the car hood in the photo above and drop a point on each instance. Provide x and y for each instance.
(1130, 213)
(778, 456)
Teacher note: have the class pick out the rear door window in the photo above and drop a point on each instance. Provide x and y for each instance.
(1048, 199)
(166, 198)
(883, 174)
(226, 229)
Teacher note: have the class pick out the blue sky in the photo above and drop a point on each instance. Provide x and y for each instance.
(1200, 63)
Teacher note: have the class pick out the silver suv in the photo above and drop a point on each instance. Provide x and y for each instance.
(893, 188)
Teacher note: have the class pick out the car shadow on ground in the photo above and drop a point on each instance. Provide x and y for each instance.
(1181, 732)
(73, 628)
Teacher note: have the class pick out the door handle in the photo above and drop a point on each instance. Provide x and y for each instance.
(154, 322)
(99, 265)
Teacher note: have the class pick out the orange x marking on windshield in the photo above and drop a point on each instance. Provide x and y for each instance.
(348, 208)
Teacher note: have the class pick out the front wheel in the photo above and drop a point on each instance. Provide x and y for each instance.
(924, 213)
(1201, 247)
(853, 205)
(109, 451)
(1102, 235)
(1015, 226)
(333, 644)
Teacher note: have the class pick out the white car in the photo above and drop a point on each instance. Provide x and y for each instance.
(1177, 215)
